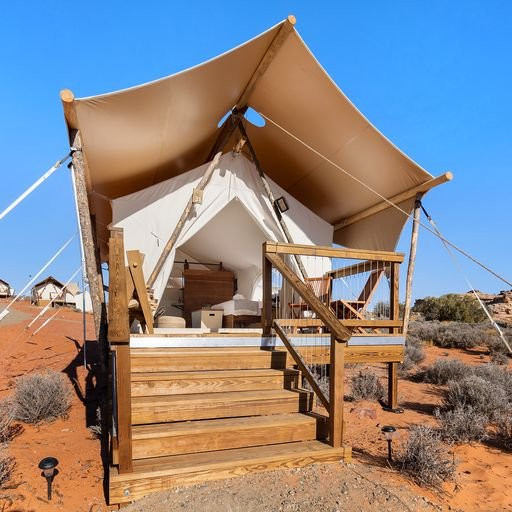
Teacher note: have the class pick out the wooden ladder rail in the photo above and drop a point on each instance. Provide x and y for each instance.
(119, 339)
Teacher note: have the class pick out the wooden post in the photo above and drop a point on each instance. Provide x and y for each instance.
(94, 276)
(266, 312)
(119, 336)
(184, 216)
(412, 261)
(271, 198)
(394, 313)
(336, 376)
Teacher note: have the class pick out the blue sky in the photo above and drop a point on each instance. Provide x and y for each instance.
(434, 77)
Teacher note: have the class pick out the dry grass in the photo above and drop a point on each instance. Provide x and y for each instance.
(425, 459)
(366, 386)
(6, 466)
(41, 397)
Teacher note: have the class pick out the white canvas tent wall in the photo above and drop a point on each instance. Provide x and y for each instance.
(235, 217)
(5, 289)
(47, 290)
(141, 136)
(78, 300)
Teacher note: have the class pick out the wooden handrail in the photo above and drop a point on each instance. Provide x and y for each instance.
(332, 252)
(302, 365)
(357, 268)
(324, 313)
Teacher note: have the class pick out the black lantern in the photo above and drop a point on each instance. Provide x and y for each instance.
(281, 204)
(389, 432)
(48, 465)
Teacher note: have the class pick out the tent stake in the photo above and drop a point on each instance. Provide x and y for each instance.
(270, 196)
(412, 261)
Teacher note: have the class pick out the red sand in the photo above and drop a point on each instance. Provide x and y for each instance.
(483, 474)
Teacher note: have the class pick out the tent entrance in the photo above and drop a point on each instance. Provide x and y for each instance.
(221, 261)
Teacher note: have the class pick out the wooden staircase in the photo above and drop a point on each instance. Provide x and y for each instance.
(212, 413)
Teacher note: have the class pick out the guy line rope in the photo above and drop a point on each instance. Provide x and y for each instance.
(363, 184)
(447, 244)
(36, 184)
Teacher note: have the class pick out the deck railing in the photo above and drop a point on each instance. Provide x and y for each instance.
(319, 312)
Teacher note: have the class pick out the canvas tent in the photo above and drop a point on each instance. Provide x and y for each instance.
(230, 225)
(144, 135)
(5, 289)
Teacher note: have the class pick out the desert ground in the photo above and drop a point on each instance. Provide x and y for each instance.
(369, 483)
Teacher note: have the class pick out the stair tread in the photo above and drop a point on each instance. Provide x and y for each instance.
(215, 398)
(176, 464)
(159, 430)
(197, 374)
(148, 352)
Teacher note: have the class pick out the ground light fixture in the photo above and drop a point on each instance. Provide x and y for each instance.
(48, 465)
(389, 432)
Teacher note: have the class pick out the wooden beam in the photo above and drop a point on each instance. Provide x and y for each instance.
(393, 386)
(266, 310)
(226, 131)
(396, 199)
(333, 252)
(325, 314)
(357, 268)
(119, 336)
(135, 265)
(181, 223)
(349, 322)
(412, 261)
(336, 376)
(68, 104)
(301, 365)
(92, 265)
(271, 198)
(278, 41)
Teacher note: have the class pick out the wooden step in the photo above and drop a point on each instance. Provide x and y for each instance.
(157, 474)
(221, 434)
(161, 409)
(172, 383)
(223, 358)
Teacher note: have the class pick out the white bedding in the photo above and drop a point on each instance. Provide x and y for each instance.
(239, 307)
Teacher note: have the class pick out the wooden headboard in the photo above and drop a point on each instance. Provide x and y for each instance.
(205, 287)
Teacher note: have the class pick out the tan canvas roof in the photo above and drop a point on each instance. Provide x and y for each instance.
(143, 135)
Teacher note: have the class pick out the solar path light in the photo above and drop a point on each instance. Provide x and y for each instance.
(48, 465)
(389, 432)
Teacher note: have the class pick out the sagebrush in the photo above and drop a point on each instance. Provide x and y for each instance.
(444, 370)
(41, 397)
(366, 386)
(425, 459)
(462, 424)
(450, 307)
(6, 465)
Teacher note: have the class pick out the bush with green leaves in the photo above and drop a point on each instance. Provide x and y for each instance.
(450, 307)
(425, 459)
(41, 397)
(366, 386)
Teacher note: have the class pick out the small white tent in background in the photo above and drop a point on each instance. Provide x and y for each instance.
(79, 302)
(52, 290)
(5, 289)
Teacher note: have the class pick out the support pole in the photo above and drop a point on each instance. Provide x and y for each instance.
(271, 197)
(94, 277)
(266, 311)
(336, 377)
(412, 261)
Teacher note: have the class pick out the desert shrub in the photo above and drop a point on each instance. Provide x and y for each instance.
(95, 429)
(504, 429)
(444, 370)
(425, 459)
(413, 355)
(476, 393)
(366, 386)
(450, 307)
(462, 424)
(6, 465)
(41, 397)
(425, 331)
(496, 376)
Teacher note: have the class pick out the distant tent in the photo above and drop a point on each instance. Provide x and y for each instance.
(5, 289)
